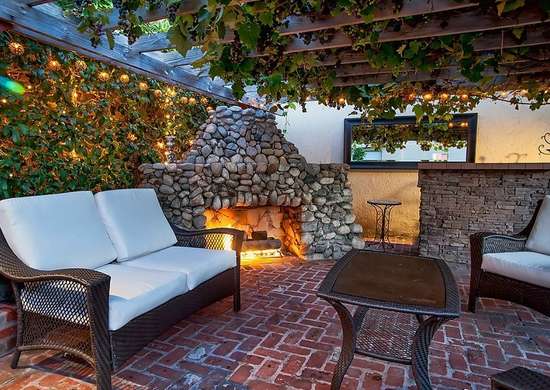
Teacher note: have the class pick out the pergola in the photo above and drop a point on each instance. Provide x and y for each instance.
(153, 54)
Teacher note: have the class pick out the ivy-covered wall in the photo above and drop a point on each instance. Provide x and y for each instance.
(82, 124)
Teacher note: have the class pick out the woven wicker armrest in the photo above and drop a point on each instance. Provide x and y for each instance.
(487, 242)
(218, 238)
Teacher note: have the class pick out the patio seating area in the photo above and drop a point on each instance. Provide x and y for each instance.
(286, 337)
(275, 194)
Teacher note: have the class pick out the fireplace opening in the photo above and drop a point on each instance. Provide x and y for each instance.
(263, 227)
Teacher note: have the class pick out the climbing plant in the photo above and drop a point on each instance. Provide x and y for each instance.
(243, 44)
(81, 124)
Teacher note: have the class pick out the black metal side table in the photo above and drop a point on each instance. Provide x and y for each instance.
(401, 302)
(383, 209)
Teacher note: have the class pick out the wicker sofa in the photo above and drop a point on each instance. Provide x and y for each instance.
(514, 267)
(101, 276)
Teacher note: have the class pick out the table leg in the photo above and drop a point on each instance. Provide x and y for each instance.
(349, 336)
(420, 350)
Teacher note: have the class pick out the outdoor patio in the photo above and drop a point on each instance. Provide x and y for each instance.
(276, 194)
(286, 338)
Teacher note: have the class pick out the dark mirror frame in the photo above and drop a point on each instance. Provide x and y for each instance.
(471, 118)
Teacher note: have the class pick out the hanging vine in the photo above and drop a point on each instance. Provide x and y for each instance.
(243, 45)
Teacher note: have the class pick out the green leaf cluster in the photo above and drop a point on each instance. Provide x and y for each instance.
(73, 130)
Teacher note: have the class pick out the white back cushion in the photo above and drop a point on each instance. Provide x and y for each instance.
(50, 232)
(539, 238)
(135, 222)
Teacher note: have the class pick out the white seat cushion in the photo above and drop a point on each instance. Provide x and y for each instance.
(135, 222)
(199, 264)
(50, 232)
(134, 291)
(529, 267)
(539, 238)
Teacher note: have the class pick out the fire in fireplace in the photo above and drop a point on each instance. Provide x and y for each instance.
(262, 227)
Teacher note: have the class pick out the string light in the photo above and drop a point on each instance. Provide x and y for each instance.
(463, 124)
(341, 100)
(464, 97)
(412, 96)
(192, 101)
(103, 76)
(157, 93)
(209, 108)
(184, 100)
(143, 86)
(54, 65)
(16, 48)
(4, 101)
(443, 96)
(204, 100)
(124, 78)
(80, 65)
(451, 125)
(427, 96)
(160, 145)
(171, 92)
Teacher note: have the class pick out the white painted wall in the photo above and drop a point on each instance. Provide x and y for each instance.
(504, 133)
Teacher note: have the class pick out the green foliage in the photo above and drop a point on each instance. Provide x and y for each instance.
(73, 130)
(256, 55)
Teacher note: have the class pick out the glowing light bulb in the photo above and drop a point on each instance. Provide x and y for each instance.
(427, 96)
(443, 96)
(143, 86)
(16, 48)
(124, 78)
(103, 76)
(342, 100)
(54, 65)
(451, 125)
(464, 97)
(463, 124)
(192, 101)
(184, 100)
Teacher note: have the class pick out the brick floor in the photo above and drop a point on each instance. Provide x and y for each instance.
(287, 338)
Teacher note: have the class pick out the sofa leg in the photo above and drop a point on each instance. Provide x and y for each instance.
(237, 301)
(472, 303)
(15, 358)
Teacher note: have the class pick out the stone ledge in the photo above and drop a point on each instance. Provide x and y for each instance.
(484, 166)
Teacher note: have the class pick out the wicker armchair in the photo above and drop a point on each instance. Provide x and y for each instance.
(492, 285)
(77, 302)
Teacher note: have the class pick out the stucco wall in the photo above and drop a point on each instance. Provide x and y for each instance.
(504, 135)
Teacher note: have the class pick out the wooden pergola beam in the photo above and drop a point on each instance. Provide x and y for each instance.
(297, 24)
(451, 74)
(33, 3)
(497, 40)
(187, 7)
(44, 27)
(466, 22)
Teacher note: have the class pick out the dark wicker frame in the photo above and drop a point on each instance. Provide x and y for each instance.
(490, 285)
(78, 300)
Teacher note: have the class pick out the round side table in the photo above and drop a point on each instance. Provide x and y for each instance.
(383, 209)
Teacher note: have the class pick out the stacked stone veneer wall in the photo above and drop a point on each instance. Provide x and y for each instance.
(457, 203)
(240, 158)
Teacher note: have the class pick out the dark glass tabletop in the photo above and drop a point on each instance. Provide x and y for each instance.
(382, 280)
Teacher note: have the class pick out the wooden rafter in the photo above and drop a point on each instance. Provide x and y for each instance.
(297, 24)
(187, 7)
(47, 28)
(438, 26)
(451, 74)
(466, 22)
(33, 3)
(301, 24)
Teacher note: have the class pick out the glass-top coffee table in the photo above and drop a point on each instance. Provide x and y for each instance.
(401, 302)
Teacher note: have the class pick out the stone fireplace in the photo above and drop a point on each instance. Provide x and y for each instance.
(241, 172)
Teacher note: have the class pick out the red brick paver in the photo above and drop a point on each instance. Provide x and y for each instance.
(286, 338)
